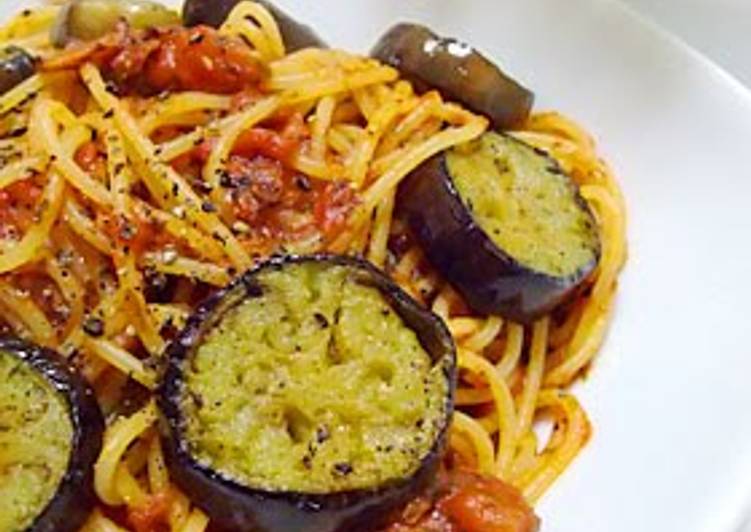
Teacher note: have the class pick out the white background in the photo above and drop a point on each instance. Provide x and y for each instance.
(721, 29)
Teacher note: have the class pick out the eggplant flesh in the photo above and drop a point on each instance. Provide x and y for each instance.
(503, 224)
(16, 65)
(52, 436)
(458, 71)
(295, 35)
(317, 465)
(86, 20)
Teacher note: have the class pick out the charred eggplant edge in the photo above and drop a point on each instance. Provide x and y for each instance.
(470, 78)
(16, 66)
(74, 497)
(296, 35)
(247, 507)
(490, 280)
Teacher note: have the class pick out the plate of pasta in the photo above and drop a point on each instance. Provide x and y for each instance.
(276, 266)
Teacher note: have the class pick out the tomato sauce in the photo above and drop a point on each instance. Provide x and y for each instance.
(275, 202)
(266, 202)
(280, 204)
(180, 59)
(153, 515)
(18, 207)
(469, 502)
(91, 157)
(152, 61)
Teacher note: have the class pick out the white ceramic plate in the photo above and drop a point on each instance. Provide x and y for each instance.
(670, 393)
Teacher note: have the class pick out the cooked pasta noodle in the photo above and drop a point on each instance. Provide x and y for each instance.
(366, 128)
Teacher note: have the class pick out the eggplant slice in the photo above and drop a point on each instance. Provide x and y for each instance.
(86, 20)
(50, 436)
(295, 35)
(504, 225)
(311, 394)
(16, 66)
(457, 71)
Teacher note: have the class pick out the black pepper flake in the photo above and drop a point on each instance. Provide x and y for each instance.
(322, 434)
(73, 355)
(127, 230)
(321, 319)
(18, 132)
(343, 468)
(175, 189)
(26, 13)
(253, 289)
(225, 181)
(203, 186)
(231, 271)
(109, 113)
(303, 183)
(93, 327)
(119, 167)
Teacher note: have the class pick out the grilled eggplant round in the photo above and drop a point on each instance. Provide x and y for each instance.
(51, 437)
(16, 65)
(504, 224)
(295, 35)
(87, 20)
(311, 394)
(457, 70)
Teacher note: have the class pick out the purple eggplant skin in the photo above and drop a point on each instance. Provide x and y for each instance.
(295, 35)
(70, 507)
(16, 66)
(458, 71)
(490, 280)
(233, 506)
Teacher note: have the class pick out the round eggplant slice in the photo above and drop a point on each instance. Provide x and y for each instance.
(311, 394)
(50, 436)
(213, 13)
(504, 225)
(16, 65)
(86, 20)
(457, 71)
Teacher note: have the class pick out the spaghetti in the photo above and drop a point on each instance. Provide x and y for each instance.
(107, 198)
